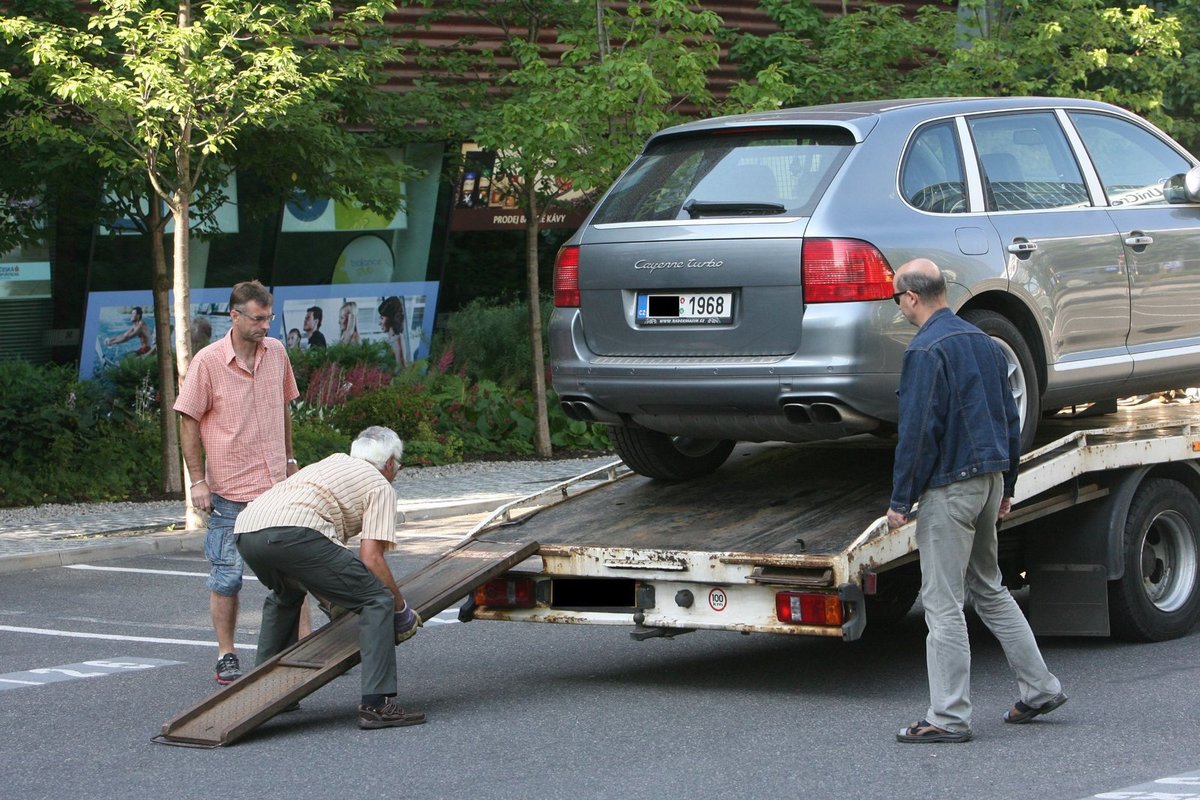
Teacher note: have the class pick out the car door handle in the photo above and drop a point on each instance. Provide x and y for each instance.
(1139, 240)
(1022, 247)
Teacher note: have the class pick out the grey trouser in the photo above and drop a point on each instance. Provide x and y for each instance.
(290, 561)
(956, 532)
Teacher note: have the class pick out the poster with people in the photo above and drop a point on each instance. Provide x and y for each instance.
(122, 325)
(400, 314)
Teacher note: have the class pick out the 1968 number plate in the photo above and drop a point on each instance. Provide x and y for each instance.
(685, 309)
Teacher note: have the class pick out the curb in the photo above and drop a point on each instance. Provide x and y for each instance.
(143, 542)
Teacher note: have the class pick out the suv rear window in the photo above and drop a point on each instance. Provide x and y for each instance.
(754, 173)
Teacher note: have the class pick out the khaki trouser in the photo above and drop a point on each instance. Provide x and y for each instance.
(956, 533)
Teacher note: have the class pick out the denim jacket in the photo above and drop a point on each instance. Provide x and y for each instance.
(958, 418)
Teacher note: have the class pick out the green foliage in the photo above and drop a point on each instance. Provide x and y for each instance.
(313, 439)
(1123, 53)
(62, 444)
(489, 340)
(131, 386)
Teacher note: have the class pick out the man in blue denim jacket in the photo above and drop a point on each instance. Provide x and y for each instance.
(958, 453)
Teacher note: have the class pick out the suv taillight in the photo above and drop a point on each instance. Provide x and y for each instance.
(566, 278)
(843, 270)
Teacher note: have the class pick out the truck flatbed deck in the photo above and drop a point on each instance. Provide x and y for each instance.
(779, 518)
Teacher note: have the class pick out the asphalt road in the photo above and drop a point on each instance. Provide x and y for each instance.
(556, 711)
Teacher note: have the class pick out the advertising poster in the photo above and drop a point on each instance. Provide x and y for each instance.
(122, 325)
(400, 314)
(484, 200)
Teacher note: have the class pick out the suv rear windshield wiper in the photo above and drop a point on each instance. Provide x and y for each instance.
(717, 208)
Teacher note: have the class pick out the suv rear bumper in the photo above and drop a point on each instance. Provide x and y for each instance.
(782, 398)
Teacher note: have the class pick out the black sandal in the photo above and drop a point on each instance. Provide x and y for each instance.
(1021, 713)
(924, 731)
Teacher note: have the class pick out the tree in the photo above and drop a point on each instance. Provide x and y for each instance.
(575, 107)
(1123, 53)
(159, 96)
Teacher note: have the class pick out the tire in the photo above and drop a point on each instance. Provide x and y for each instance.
(1158, 597)
(669, 458)
(1022, 371)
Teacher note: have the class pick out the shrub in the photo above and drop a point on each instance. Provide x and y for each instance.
(313, 439)
(62, 443)
(490, 341)
(305, 363)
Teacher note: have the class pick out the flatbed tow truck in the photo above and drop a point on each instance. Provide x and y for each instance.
(1105, 531)
(791, 539)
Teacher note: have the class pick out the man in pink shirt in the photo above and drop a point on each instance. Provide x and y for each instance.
(236, 433)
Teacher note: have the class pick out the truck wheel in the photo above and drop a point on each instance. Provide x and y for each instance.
(669, 458)
(1158, 597)
(1022, 373)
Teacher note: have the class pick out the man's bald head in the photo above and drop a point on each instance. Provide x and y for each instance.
(920, 288)
(921, 276)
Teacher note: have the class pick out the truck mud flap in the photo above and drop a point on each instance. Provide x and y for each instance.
(240, 707)
(856, 608)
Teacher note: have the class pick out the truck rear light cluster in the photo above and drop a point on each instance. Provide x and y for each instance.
(808, 608)
(506, 593)
(844, 270)
(566, 278)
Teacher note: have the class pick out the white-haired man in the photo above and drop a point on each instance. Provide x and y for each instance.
(293, 536)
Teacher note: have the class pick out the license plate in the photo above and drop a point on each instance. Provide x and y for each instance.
(710, 308)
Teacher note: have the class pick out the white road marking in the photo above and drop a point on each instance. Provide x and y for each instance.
(97, 668)
(116, 637)
(146, 571)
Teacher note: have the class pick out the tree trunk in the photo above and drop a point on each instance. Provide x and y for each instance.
(541, 421)
(168, 427)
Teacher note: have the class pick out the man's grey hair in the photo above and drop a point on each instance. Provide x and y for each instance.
(376, 445)
(922, 283)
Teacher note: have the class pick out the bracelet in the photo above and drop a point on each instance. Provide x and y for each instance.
(293, 461)
(197, 483)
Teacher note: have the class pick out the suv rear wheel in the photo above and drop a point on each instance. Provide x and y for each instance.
(1022, 374)
(669, 458)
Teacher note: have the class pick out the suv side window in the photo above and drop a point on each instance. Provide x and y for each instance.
(1026, 162)
(931, 177)
(1132, 162)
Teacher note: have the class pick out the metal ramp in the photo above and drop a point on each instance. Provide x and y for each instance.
(236, 709)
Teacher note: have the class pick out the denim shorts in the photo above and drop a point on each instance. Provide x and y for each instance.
(220, 548)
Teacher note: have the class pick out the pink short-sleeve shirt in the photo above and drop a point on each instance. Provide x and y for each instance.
(241, 416)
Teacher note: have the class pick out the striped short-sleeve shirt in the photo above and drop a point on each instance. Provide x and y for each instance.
(341, 496)
(241, 415)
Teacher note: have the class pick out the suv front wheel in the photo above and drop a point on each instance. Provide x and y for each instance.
(669, 458)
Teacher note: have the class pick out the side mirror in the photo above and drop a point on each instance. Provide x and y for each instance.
(1183, 188)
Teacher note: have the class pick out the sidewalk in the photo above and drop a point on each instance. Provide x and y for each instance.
(121, 530)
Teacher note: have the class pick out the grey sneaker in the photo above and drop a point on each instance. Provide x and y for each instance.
(228, 669)
(390, 715)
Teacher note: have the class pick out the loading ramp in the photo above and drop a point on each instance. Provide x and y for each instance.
(236, 709)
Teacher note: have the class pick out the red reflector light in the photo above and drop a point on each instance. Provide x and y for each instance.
(505, 593)
(844, 270)
(566, 278)
(805, 608)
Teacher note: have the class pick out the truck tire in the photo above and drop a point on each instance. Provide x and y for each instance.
(1022, 372)
(1158, 597)
(669, 458)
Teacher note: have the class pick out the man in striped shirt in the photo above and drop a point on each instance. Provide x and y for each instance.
(236, 433)
(294, 537)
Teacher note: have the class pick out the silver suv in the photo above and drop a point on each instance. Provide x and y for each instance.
(736, 282)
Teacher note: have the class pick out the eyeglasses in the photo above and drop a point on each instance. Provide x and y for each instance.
(896, 297)
(259, 318)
